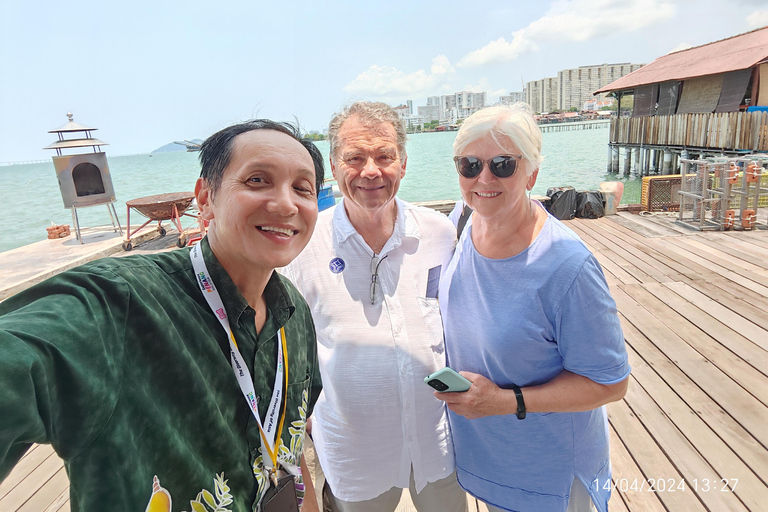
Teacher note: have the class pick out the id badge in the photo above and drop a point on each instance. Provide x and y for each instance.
(281, 498)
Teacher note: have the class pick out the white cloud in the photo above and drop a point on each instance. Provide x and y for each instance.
(391, 83)
(498, 51)
(758, 19)
(574, 20)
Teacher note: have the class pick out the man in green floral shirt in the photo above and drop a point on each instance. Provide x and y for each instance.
(125, 368)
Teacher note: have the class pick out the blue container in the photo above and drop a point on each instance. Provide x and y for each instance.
(325, 197)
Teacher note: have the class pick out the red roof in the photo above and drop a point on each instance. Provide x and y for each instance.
(732, 54)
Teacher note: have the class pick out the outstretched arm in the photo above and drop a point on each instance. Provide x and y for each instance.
(568, 392)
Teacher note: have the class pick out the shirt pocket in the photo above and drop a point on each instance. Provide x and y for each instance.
(297, 402)
(430, 311)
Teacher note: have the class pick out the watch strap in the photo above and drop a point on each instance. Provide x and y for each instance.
(520, 402)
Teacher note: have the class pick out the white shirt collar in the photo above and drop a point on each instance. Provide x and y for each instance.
(405, 226)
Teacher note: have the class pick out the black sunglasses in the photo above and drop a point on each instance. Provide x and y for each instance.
(502, 166)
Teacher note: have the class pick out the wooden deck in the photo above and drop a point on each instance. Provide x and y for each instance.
(694, 307)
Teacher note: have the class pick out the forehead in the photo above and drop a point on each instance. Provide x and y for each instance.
(356, 134)
(269, 149)
(498, 144)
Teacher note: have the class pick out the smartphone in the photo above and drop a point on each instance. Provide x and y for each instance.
(447, 380)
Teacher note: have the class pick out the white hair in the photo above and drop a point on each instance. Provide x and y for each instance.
(503, 124)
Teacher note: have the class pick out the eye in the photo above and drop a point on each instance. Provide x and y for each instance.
(255, 179)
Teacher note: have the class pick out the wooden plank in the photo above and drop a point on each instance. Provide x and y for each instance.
(741, 267)
(743, 247)
(28, 463)
(725, 335)
(725, 360)
(751, 237)
(679, 450)
(653, 462)
(643, 225)
(743, 326)
(736, 299)
(736, 277)
(660, 246)
(48, 494)
(734, 250)
(22, 492)
(60, 502)
(624, 468)
(669, 265)
(742, 406)
(750, 490)
(741, 442)
(632, 265)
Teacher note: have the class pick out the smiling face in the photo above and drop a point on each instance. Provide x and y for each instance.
(497, 198)
(265, 209)
(367, 166)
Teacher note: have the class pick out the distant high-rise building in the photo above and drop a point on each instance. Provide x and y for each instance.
(433, 100)
(460, 105)
(542, 94)
(512, 98)
(572, 88)
(429, 113)
(576, 85)
(410, 106)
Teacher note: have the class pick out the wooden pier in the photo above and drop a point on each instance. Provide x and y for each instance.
(655, 144)
(691, 433)
(576, 125)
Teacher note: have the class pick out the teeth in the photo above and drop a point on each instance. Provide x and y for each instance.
(486, 194)
(282, 231)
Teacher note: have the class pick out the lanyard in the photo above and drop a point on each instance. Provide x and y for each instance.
(274, 420)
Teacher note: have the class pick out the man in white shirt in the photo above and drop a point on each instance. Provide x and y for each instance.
(370, 276)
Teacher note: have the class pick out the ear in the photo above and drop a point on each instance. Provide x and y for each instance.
(402, 172)
(204, 199)
(532, 179)
(333, 166)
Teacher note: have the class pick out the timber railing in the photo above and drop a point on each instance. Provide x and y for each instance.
(726, 131)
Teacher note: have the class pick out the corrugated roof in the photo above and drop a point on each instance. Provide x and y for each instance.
(732, 54)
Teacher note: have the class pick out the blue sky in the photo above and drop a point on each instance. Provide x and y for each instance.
(149, 72)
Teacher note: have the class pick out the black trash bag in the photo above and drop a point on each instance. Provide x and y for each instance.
(562, 202)
(591, 205)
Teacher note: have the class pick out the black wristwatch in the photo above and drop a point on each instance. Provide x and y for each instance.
(520, 402)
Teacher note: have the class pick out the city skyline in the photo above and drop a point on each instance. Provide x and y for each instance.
(146, 74)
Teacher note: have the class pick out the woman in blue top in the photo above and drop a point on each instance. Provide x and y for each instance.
(529, 320)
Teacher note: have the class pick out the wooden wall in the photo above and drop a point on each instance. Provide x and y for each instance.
(728, 131)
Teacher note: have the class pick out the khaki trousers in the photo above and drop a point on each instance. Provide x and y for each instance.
(445, 495)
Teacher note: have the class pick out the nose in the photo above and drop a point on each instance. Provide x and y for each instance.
(370, 169)
(282, 202)
(486, 176)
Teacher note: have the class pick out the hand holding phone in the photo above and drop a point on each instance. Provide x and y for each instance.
(447, 380)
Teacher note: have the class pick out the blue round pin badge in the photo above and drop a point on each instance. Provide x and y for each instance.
(337, 265)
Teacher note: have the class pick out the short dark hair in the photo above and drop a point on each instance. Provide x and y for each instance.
(216, 151)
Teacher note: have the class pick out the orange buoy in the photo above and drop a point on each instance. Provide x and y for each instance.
(753, 173)
(728, 220)
(733, 174)
(748, 219)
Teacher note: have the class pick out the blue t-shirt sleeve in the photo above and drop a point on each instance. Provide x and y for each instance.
(587, 328)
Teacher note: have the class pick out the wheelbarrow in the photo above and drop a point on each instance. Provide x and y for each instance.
(158, 208)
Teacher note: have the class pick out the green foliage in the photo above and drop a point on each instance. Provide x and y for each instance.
(314, 136)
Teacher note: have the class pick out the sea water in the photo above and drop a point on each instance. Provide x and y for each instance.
(32, 201)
